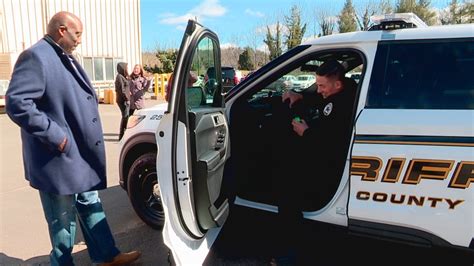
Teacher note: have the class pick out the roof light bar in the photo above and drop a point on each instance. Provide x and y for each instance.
(396, 21)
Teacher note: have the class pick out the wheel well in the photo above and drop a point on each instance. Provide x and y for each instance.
(132, 154)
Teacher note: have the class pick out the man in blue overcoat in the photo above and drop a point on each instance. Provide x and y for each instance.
(52, 100)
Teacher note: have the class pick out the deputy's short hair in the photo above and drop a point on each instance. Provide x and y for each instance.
(331, 68)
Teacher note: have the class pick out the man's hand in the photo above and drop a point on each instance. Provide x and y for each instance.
(299, 127)
(62, 145)
(293, 97)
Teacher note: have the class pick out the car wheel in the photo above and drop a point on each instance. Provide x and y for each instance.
(143, 190)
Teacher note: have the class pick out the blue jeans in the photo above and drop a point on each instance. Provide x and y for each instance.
(60, 212)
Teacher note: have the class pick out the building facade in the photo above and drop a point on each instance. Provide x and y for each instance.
(111, 33)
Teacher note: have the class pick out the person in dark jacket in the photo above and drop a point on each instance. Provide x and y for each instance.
(138, 87)
(122, 95)
(322, 138)
(52, 100)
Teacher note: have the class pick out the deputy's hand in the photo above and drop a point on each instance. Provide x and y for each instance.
(62, 146)
(299, 127)
(292, 97)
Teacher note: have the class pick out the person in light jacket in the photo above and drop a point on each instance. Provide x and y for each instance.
(52, 100)
(138, 87)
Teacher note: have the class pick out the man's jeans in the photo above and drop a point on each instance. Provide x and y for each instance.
(60, 212)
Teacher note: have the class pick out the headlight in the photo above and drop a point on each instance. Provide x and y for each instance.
(133, 120)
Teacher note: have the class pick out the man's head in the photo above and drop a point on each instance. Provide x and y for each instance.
(329, 78)
(192, 78)
(66, 30)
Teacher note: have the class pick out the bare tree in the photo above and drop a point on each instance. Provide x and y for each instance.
(326, 23)
(254, 39)
(384, 7)
(363, 15)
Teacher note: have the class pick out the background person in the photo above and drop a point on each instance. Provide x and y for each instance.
(122, 95)
(52, 100)
(192, 78)
(138, 87)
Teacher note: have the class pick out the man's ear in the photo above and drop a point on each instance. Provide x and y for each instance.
(338, 84)
(62, 30)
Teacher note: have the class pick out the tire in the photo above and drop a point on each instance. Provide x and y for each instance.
(143, 191)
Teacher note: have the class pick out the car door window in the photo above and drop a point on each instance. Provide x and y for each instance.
(201, 88)
(261, 125)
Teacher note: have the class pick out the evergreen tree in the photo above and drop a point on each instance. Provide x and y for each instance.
(422, 9)
(273, 42)
(296, 31)
(405, 6)
(167, 59)
(347, 21)
(245, 59)
(424, 12)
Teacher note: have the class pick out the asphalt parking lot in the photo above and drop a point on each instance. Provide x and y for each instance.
(24, 238)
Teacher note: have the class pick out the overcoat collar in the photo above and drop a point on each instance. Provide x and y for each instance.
(72, 65)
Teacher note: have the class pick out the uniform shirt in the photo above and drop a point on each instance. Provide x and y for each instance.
(326, 141)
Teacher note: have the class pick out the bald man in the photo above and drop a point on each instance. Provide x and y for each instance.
(52, 100)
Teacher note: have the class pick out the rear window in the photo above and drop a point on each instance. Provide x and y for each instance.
(434, 74)
(227, 73)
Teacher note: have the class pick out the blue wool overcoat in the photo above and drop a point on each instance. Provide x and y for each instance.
(50, 97)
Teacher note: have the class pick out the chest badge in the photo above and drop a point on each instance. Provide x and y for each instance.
(327, 109)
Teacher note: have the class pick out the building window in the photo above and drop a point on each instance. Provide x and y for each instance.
(109, 68)
(98, 68)
(88, 67)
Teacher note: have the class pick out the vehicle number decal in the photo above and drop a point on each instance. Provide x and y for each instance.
(156, 117)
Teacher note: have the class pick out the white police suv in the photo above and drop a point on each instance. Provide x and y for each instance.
(408, 172)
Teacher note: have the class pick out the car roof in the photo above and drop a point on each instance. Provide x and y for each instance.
(431, 32)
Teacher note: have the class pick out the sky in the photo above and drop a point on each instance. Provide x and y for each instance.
(236, 22)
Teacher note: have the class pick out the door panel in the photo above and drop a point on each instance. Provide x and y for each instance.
(211, 153)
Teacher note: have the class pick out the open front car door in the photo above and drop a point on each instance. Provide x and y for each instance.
(193, 146)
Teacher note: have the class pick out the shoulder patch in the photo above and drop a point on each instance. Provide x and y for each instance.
(327, 109)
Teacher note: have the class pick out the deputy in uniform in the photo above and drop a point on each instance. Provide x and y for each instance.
(319, 148)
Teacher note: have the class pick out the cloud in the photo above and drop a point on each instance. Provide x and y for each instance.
(252, 13)
(263, 48)
(180, 27)
(229, 45)
(263, 30)
(207, 8)
(177, 19)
